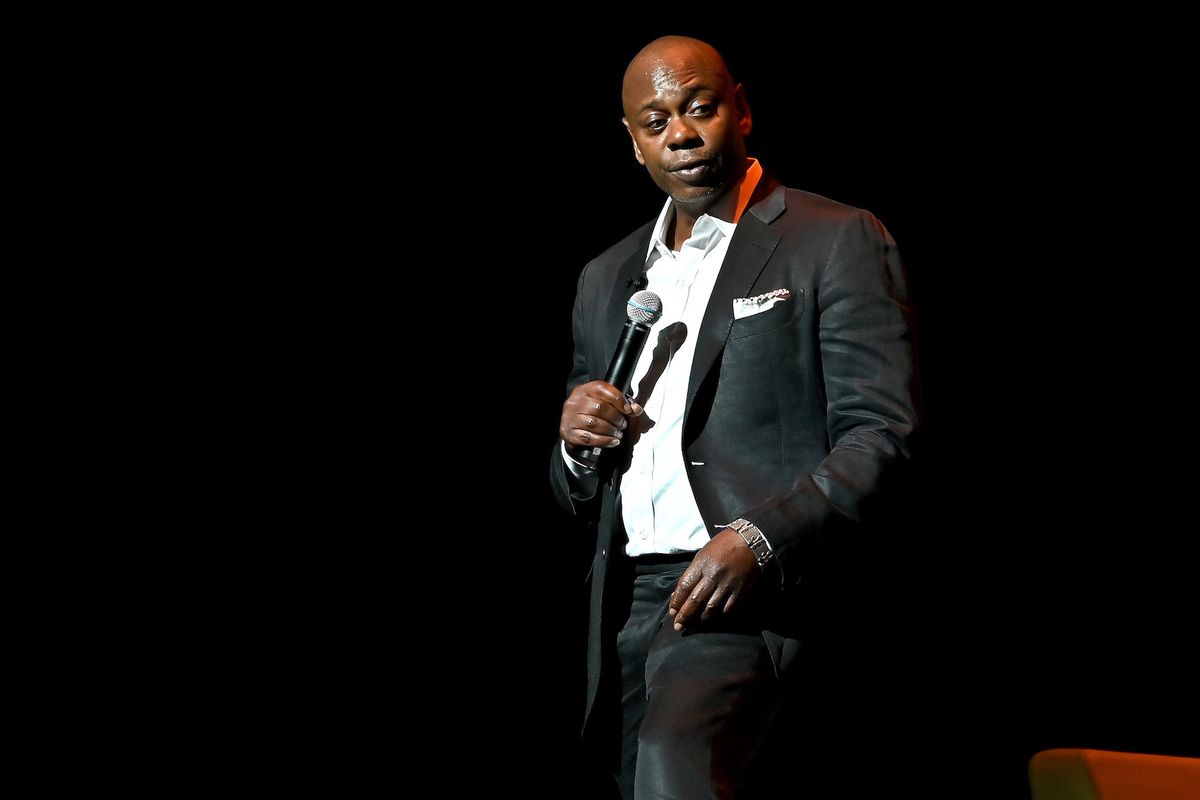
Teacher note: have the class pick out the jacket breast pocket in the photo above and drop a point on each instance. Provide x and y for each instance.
(777, 316)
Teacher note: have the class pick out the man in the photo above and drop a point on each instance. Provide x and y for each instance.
(768, 425)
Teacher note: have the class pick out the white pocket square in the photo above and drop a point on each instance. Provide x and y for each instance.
(749, 306)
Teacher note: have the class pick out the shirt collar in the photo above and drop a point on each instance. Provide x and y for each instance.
(707, 227)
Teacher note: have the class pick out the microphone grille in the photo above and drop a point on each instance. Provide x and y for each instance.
(645, 307)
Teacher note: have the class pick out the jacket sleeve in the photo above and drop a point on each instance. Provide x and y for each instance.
(867, 365)
(566, 490)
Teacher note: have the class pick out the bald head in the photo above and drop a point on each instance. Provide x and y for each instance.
(688, 122)
(667, 63)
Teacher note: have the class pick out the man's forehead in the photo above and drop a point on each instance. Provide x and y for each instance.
(663, 76)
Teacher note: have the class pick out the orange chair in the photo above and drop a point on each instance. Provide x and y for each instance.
(1105, 775)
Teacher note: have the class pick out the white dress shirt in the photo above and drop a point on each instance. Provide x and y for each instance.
(657, 504)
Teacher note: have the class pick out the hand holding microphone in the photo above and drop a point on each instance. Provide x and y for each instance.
(593, 417)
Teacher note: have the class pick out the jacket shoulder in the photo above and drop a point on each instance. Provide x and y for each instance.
(808, 219)
(816, 209)
(607, 263)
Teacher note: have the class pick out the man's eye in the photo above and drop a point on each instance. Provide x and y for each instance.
(701, 110)
(656, 124)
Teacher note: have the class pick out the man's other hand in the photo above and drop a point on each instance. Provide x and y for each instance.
(717, 580)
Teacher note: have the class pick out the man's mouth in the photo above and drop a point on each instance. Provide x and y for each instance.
(689, 171)
(690, 164)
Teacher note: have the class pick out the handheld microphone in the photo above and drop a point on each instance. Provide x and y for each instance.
(643, 309)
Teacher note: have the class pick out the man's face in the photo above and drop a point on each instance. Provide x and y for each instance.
(688, 123)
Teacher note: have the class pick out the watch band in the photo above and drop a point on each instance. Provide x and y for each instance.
(754, 539)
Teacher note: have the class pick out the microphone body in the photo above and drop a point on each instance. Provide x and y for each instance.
(625, 357)
(645, 308)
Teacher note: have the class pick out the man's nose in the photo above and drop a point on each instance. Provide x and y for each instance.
(682, 135)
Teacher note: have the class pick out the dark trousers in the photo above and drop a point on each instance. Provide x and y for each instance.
(695, 707)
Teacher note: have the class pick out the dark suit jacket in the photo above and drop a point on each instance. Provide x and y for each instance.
(798, 418)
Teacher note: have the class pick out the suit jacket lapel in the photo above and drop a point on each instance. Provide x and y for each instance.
(752, 245)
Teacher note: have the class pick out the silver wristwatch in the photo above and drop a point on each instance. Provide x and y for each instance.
(754, 539)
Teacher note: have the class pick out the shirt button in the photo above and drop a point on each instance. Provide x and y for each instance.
(678, 284)
(644, 534)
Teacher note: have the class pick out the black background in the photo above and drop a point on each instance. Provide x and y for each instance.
(1052, 602)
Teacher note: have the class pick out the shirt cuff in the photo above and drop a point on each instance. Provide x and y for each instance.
(584, 479)
(578, 469)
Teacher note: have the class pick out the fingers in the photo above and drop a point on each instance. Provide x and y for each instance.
(606, 392)
(594, 415)
(695, 602)
(712, 585)
(716, 604)
(592, 427)
(683, 588)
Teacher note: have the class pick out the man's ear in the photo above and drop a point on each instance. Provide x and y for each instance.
(637, 151)
(743, 109)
